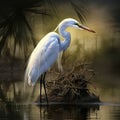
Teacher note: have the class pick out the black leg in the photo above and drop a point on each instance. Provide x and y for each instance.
(45, 86)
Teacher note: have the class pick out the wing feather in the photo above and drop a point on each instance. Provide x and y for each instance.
(42, 58)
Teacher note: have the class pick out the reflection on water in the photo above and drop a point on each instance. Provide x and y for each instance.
(14, 107)
(70, 112)
(60, 112)
(55, 112)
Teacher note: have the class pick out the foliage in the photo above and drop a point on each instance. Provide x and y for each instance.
(72, 87)
(16, 24)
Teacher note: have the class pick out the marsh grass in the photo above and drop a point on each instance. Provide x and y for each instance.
(73, 86)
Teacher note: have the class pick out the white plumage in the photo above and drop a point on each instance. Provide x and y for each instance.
(42, 57)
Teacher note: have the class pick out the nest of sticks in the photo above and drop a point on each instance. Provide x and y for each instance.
(74, 86)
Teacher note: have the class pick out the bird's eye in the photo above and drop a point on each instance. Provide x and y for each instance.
(76, 24)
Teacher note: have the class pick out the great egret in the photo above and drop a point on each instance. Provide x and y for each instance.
(47, 51)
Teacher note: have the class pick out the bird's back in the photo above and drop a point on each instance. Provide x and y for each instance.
(42, 57)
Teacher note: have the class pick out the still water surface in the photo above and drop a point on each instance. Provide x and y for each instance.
(101, 111)
(107, 109)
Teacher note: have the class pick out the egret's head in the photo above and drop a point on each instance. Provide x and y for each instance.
(70, 22)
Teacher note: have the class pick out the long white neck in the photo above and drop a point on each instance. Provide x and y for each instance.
(66, 35)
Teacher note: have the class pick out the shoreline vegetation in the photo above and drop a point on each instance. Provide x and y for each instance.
(70, 87)
(73, 87)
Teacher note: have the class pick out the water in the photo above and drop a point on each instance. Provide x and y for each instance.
(107, 109)
(102, 111)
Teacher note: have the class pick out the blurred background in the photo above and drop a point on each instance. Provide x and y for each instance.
(24, 23)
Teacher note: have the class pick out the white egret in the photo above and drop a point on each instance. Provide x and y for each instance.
(47, 51)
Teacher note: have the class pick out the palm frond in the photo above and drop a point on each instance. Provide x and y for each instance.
(14, 20)
(80, 10)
